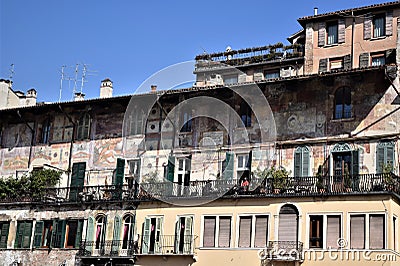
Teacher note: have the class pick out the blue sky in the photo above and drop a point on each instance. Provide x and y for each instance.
(128, 41)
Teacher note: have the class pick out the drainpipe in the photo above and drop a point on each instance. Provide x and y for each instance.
(352, 40)
(32, 138)
(71, 143)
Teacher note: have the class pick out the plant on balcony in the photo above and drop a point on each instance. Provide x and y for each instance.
(347, 179)
(389, 180)
(320, 181)
(279, 178)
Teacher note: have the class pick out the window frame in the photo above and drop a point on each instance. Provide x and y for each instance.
(345, 97)
(17, 233)
(367, 228)
(304, 152)
(382, 32)
(333, 23)
(384, 145)
(187, 122)
(380, 56)
(272, 74)
(217, 218)
(253, 229)
(336, 60)
(4, 235)
(324, 229)
(83, 127)
(80, 223)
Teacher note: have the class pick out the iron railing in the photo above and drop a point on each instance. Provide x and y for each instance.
(267, 187)
(146, 245)
(283, 251)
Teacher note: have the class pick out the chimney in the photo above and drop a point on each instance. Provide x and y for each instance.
(106, 88)
(31, 96)
(79, 96)
(153, 88)
(315, 11)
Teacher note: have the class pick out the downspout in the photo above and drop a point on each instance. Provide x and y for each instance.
(352, 40)
(71, 143)
(32, 138)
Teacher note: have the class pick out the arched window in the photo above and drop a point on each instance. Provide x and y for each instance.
(384, 157)
(343, 103)
(100, 234)
(288, 224)
(83, 128)
(127, 233)
(302, 161)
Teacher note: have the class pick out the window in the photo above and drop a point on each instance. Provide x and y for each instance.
(384, 157)
(302, 161)
(127, 234)
(152, 235)
(243, 167)
(183, 175)
(101, 222)
(321, 237)
(217, 231)
(343, 103)
(73, 233)
(134, 172)
(187, 122)
(376, 231)
(272, 74)
(230, 79)
(183, 234)
(43, 234)
(253, 231)
(336, 63)
(83, 127)
(4, 228)
(378, 60)
(332, 32)
(245, 114)
(378, 25)
(45, 133)
(136, 122)
(23, 234)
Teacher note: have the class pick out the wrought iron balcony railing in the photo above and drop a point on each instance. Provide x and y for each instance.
(149, 245)
(283, 251)
(268, 187)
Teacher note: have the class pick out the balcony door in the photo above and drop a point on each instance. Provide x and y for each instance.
(152, 235)
(288, 226)
(77, 180)
(183, 235)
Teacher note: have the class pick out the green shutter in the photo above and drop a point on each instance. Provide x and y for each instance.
(26, 235)
(306, 162)
(78, 236)
(171, 168)
(119, 172)
(90, 235)
(389, 160)
(297, 163)
(77, 180)
(37, 239)
(18, 235)
(4, 234)
(177, 235)
(146, 236)
(355, 163)
(158, 241)
(380, 159)
(116, 235)
(229, 165)
(59, 234)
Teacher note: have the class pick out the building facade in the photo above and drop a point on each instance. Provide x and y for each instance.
(278, 155)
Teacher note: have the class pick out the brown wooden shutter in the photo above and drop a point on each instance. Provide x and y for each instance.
(224, 237)
(357, 231)
(245, 232)
(389, 23)
(377, 231)
(332, 231)
(364, 60)
(323, 65)
(367, 27)
(321, 33)
(347, 62)
(261, 234)
(287, 227)
(209, 232)
(341, 31)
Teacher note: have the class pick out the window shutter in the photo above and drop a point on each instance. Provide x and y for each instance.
(367, 27)
(245, 232)
(187, 245)
(37, 239)
(209, 232)
(332, 231)
(321, 33)
(18, 236)
(297, 163)
(389, 23)
(355, 163)
(364, 60)
(4, 234)
(224, 237)
(59, 234)
(323, 65)
(116, 235)
(77, 180)
(27, 233)
(177, 235)
(171, 168)
(146, 236)
(261, 231)
(159, 237)
(347, 62)
(390, 56)
(389, 155)
(229, 165)
(306, 162)
(90, 234)
(119, 172)
(287, 227)
(377, 231)
(357, 231)
(380, 159)
(78, 236)
(342, 31)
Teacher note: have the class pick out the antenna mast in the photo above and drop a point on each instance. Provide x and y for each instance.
(11, 71)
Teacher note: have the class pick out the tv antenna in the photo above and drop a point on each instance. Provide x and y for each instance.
(11, 72)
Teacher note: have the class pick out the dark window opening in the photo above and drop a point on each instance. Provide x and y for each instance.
(343, 103)
(316, 231)
(245, 114)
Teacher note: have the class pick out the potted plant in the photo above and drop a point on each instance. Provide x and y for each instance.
(388, 177)
(320, 182)
(347, 179)
(279, 178)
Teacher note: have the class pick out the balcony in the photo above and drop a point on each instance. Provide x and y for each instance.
(161, 245)
(283, 251)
